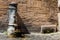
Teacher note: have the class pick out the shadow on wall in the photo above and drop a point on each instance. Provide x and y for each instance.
(21, 25)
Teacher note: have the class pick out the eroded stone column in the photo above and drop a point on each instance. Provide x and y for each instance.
(59, 15)
(12, 13)
(58, 21)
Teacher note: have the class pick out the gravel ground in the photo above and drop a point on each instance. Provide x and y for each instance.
(35, 36)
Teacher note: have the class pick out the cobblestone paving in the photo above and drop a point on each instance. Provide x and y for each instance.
(35, 36)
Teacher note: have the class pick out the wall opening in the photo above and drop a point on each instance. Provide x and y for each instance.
(48, 28)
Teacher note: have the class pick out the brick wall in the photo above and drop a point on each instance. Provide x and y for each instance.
(34, 13)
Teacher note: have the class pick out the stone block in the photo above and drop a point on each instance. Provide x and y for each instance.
(48, 28)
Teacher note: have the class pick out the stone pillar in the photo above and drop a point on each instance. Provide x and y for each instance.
(58, 3)
(59, 15)
(12, 13)
(58, 21)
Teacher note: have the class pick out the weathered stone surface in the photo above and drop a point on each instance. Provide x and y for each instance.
(35, 36)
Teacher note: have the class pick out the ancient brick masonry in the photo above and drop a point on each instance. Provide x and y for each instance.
(34, 13)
